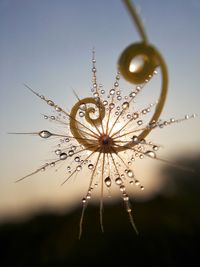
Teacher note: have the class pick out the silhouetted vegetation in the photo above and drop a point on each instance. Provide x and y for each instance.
(168, 225)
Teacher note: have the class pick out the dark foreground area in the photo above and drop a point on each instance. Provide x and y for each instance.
(169, 227)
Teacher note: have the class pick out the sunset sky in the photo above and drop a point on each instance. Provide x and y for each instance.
(47, 44)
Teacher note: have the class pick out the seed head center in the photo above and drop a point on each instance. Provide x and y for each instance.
(106, 143)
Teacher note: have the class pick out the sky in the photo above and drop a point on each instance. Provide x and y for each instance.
(47, 44)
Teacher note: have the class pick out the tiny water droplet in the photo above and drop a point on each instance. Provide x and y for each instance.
(119, 97)
(83, 106)
(77, 159)
(122, 188)
(90, 166)
(45, 134)
(58, 151)
(142, 187)
(125, 198)
(125, 105)
(53, 118)
(71, 153)
(155, 148)
(105, 102)
(58, 108)
(111, 105)
(150, 154)
(112, 91)
(50, 102)
(52, 164)
(63, 156)
(81, 114)
(139, 122)
(130, 173)
(128, 116)
(116, 84)
(135, 139)
(107, 181)
(84, 200)
(79, 168)
(135, 115)
(118, 181)
(137, 182)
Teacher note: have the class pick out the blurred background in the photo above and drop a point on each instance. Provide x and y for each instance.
(47, 45)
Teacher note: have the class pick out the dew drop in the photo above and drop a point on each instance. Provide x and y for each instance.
(45, 117)
(50, 102)
(150, 154)
(111, 105)
(58, 151)
(128, 116)
(63, 156)
(77, 159)
(125, 105)
(53, 118)
(137, 182)
(125, 198)
(112, 91)
(139, 122)
(83, 106)
(118, 181)
(142, 187)
(90, 166)
(105, 102)
(130, 173)
(83, 200)
(116, 84)
(45, 134)
(119, 97)
(135, 139)
(107, 181)
(52, 164)
(135, 116)
(67, 139)
(102, 92)
(79, 168)
(132, 94)
(58, 109)
(71, 153)
(155, 148)
(81, 114)
(122, 188)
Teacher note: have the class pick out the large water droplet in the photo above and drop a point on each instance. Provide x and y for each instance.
(45, 134)
(63, 156)
(81, 114)
(50, 103)
(107, 181)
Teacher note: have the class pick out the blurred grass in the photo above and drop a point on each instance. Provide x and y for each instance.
(169, 227)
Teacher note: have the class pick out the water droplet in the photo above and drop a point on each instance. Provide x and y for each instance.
(45, 117)
(63, 156)
(128, 116)
(83, 106)
(71, 153)
(141, 156)
(119, 97)
(53, 118)
(90, 166)
(68, 168)
(130, 173)
(116, 113)
(105, 102)
(131, 182)
(118, 181)
(77, 159)
(50, 102)
(122, 188)
(79, 168)
(139, 122)
(84, 200)
(125, 105)
(67, 139)
(102, 92)
(132, 94)
(52, 164)
(125, 197)
(81, 114)
(150, 154)
(137, 182)
(111, 105)
(94, 69)
(116, 84)
(187, 117)
(135, 116)
(58, 108)
(142, 187)
(112, 91)
(88, 196)
(45, 134)
(58, 151)
(155, 148)
(135, 139)
(107, 181)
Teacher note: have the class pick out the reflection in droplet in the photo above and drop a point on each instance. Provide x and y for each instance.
(45, 134)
